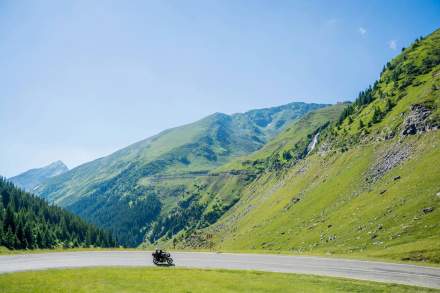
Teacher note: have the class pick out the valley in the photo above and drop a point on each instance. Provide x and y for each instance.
(344, 179)
(119, 192)
(220, 146)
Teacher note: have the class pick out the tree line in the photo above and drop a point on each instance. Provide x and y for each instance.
(29, 222)
(400, 73)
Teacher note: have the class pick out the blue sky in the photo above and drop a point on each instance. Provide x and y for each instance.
(80, 79)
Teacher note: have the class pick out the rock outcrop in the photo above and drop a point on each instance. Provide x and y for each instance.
(388, 160)
(418, 120)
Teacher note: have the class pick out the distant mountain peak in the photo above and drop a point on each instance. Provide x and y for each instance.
(32, 178)
(59, 164)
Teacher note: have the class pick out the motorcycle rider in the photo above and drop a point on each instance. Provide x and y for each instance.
(160, 256)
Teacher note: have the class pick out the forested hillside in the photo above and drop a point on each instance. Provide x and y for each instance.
(136, 191)
(28, 222)
(366, 184)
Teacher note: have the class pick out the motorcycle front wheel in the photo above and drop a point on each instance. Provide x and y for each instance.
(170, 261)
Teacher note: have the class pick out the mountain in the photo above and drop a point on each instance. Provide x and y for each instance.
(366, 184)
(207, 199)
(28, 222)
(132, 190)
(34, 177)
(293, 141)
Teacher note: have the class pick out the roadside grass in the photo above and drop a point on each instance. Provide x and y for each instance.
(184, 280)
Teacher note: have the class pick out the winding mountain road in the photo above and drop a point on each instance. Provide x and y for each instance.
(355, 269)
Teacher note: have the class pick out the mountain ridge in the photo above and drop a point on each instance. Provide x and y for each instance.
(32, 178)
(121, 179)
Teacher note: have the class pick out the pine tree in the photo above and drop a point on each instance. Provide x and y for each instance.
(377, 115)
(29, 236)
(9, 221)
(10, 240)
(389, 105)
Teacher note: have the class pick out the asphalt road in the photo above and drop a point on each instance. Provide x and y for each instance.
(355, 269)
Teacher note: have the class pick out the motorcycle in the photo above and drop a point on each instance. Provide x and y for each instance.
(162, 258)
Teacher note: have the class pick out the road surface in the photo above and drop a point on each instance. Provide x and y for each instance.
(355, 269)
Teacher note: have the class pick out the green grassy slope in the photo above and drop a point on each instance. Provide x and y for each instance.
(213, 195)
(125, 192)
(338, 212)
(184, 280)
(369, 188)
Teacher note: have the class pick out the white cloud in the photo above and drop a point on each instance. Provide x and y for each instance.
(362, 31)
(392, 44)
